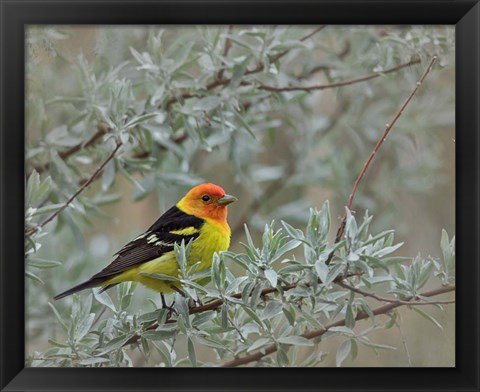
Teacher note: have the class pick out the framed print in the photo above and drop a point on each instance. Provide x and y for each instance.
(191, 187)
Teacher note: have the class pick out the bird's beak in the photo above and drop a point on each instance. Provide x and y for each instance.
(226, 200)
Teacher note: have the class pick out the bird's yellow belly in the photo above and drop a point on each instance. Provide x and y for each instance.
(211, 239)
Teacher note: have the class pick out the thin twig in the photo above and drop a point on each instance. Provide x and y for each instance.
(80, 190)
(380, 141)
(388, 128)
(319, 332)
(228, 45)
(102, 129)
(390, 300)
(372, 75)
(259, 67)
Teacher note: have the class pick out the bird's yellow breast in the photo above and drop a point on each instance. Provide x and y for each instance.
(214, 237)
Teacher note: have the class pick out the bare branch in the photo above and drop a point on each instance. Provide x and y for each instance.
(215, 304)
(80, 190)
(223, 82)
(391, 300)
(388, 128)
(228, 45)
(102, 129)
(380, 141)
(372, 75)
(319, 332)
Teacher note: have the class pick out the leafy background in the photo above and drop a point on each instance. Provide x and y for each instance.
(161, 92)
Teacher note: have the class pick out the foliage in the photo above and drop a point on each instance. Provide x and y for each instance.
(262, 104)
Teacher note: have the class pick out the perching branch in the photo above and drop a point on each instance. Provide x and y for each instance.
(380, 141)
(79, 190)
(319, 332)
(215, 304)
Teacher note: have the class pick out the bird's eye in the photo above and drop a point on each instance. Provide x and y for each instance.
(205, 198)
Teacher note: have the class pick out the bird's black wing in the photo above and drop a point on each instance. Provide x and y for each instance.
(155, 242)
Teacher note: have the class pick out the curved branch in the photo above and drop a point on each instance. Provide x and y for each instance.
(319, 332)
(79, 190)
(391, 300)
(380, 141)
(223, 82)
(372, 75)
(102, 129)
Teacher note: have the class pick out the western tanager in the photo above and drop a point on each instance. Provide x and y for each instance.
(200, 216)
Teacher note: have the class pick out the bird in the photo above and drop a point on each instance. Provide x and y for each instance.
(200, 217)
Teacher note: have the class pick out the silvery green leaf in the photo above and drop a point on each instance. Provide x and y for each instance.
(289, 315)
(343, 351)
(349, 317)
(364, 340)
(93, 361)
(388, 250)
(333, 272)
(238, 72)
(83, 326)
(324, 223)
(257, 344)
(104, 299)
(147, 317)
(207, 103)
(34, 277)
(352, 257)
(202, 318)
(244, 124)
(108, 175)
(292, 232)
(272, 277)
(164, 352)
(273, 308)
(253, 315)
(114, 344)
(157, 335)
(428, 317)
(295, 341)
(140, 119)
(32, 185)
(322, 270)
(342, 330)
(282, 357)
(38, 262)
(48, 209)
(235, 284)
(224, 315)
(191, 352)
(290, 245)
(59, 318)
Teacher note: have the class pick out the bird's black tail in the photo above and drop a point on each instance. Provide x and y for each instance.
(94, 282)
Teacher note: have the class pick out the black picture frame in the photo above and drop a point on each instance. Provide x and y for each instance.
(15, 14)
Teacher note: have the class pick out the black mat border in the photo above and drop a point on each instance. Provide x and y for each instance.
(15, 14)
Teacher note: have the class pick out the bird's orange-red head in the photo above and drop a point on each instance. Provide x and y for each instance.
(207, 201)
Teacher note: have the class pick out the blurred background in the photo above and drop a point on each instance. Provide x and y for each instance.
(278, 152)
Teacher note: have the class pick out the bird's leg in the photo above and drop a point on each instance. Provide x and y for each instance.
(164, 304)
(175, 288)
(170, 308)
(182, 293)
